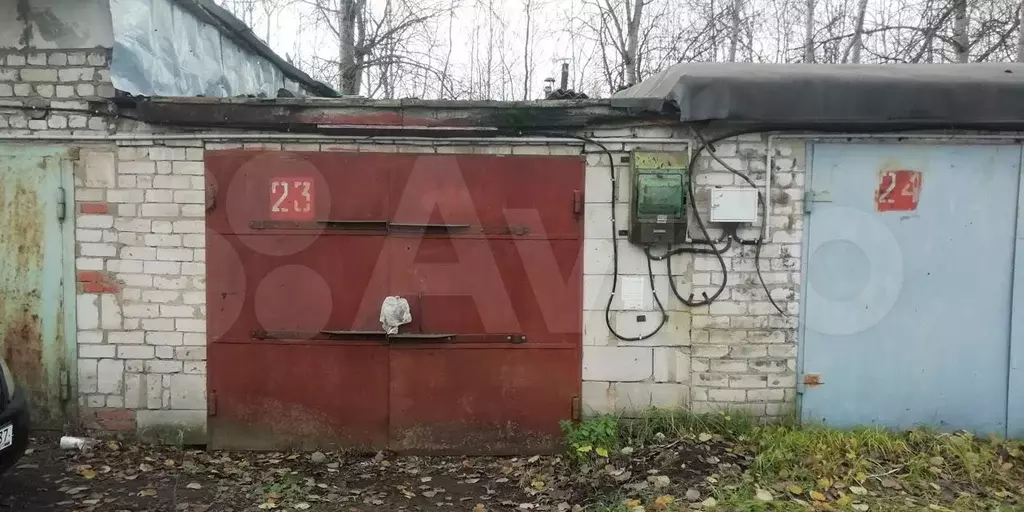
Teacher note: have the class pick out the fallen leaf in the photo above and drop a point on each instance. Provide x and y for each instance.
(479, 508)
(627, 450)
(537, 484)
(859, 507)
(586, 448)
(147, 492)
(145, 467)
(817, 496)
(664, 500)
(268, 505)
(705, 437)
(533, 459)
(301, 506)
(527, 506)
(87, 473)
(709, 503)
(601, 452)
(426, 479)
(692, 495)
(795, 489)
(764, 495)
(859, 491)
(429, 494)
(194, 485)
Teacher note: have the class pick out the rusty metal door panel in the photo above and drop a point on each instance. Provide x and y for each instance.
(481, 401)
(535, 196)
(31, 275)
(327, 283)
(307, 193)
(280, 395)
(518, 286)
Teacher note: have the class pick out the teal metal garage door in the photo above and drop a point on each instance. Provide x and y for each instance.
(908, 275)
(33, 309)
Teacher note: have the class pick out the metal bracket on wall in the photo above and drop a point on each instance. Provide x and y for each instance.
(62, 204)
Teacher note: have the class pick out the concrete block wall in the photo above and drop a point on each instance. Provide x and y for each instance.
(738, 352)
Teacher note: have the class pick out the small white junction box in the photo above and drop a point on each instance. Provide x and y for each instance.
(734, 204)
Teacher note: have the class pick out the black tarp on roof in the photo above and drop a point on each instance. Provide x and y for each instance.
(988, 94)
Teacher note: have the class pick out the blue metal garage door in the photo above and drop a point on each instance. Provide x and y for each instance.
(908, 284)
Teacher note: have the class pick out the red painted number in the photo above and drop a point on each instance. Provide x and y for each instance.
(898, 191)
(291, 199)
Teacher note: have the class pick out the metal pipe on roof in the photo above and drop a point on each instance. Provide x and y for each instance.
(317, 137)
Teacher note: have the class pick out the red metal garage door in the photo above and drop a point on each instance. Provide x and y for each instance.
(303, 248)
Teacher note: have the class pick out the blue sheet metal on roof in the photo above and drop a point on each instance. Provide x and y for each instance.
(983, 94)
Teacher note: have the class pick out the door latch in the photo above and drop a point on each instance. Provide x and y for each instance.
(62, 204)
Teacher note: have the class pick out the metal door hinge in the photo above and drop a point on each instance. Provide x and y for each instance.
(576, 414)
(65, 384)
(211, 404)
(62, 204)
(577, 202)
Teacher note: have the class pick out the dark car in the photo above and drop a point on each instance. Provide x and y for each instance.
(14, 420)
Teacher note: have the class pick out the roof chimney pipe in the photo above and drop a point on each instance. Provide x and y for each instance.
(565, 76)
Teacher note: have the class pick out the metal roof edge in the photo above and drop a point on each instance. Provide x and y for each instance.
(238, 31)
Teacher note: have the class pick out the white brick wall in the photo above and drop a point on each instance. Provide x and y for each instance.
(142, 342)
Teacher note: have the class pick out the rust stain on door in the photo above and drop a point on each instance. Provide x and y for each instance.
(31, 274)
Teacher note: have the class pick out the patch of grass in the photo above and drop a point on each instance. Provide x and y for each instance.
(846, 469)
(598, 436)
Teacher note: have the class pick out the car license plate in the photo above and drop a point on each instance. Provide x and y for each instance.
(6, 436)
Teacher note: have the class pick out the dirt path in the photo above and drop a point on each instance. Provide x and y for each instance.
(119, 476)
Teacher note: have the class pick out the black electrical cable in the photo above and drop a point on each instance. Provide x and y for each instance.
(759, 243)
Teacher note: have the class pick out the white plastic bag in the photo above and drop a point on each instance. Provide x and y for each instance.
(394, 311)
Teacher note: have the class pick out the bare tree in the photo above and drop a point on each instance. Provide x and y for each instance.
(734, 26)
(809, 32)
(960, 35)
(856, 42)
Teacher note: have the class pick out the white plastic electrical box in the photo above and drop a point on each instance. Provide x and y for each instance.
(734, 204)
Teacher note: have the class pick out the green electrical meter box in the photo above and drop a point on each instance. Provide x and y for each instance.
(658, 197)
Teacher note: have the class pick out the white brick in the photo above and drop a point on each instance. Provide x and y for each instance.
(193, 269)
(194, 297)
(727, 395)
(177, 311)
(766, 395)
(193, 240)
(100, 169)
(159, 196)
(190, 353)
(161, 210)
(189, 226)
(94, 221)
(170, 283)
(188, 391)
(88, 235)
(136, 168)
(162, 267)
(165, 153)
(110, 376)
(89, 263)
(193, 210)
(125, 196)
(168, 254)
(163, 367)
(163, 167)
(124, 337)
(135, 225)
(136, 279)
(182, 182)
(190, 325)
(97, 249)
(194, 153)
(197, 367)
(160, 296)
(617, 363)
(88, 311)
(96, 352)
(190, 196)
(193, 338)
(127, 266)
(87, 375)
(110, 311)
(165, 352)
(141, 310)
(90, 337)
(158, 324)
(135, 352)
(154, 391)
(671, 365)
(163, 338)
(154, 240)
(189, 168)
(134, 391)
(138, 253)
